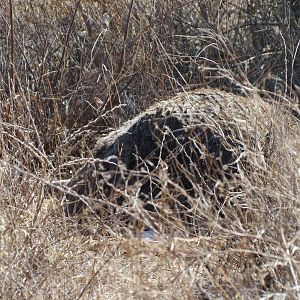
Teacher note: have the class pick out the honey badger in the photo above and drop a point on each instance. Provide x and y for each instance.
(171, 160)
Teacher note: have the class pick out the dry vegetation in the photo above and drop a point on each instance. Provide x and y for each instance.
(73, 71)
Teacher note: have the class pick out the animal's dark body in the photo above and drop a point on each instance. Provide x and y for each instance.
(178, 154)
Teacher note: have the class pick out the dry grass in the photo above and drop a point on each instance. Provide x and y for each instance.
(68, 76)
(255, 256)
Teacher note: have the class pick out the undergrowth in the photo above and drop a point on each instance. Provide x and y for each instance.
(71, 72)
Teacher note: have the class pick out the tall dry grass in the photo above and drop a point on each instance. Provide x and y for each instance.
(70, 72)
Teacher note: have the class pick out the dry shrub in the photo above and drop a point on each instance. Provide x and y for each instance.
(71, 72)
(82, 59)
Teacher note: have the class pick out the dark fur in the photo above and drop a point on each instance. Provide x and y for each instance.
(196, 156)
(143, 146)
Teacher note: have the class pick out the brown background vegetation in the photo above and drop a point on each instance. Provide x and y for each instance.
(73, 71)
